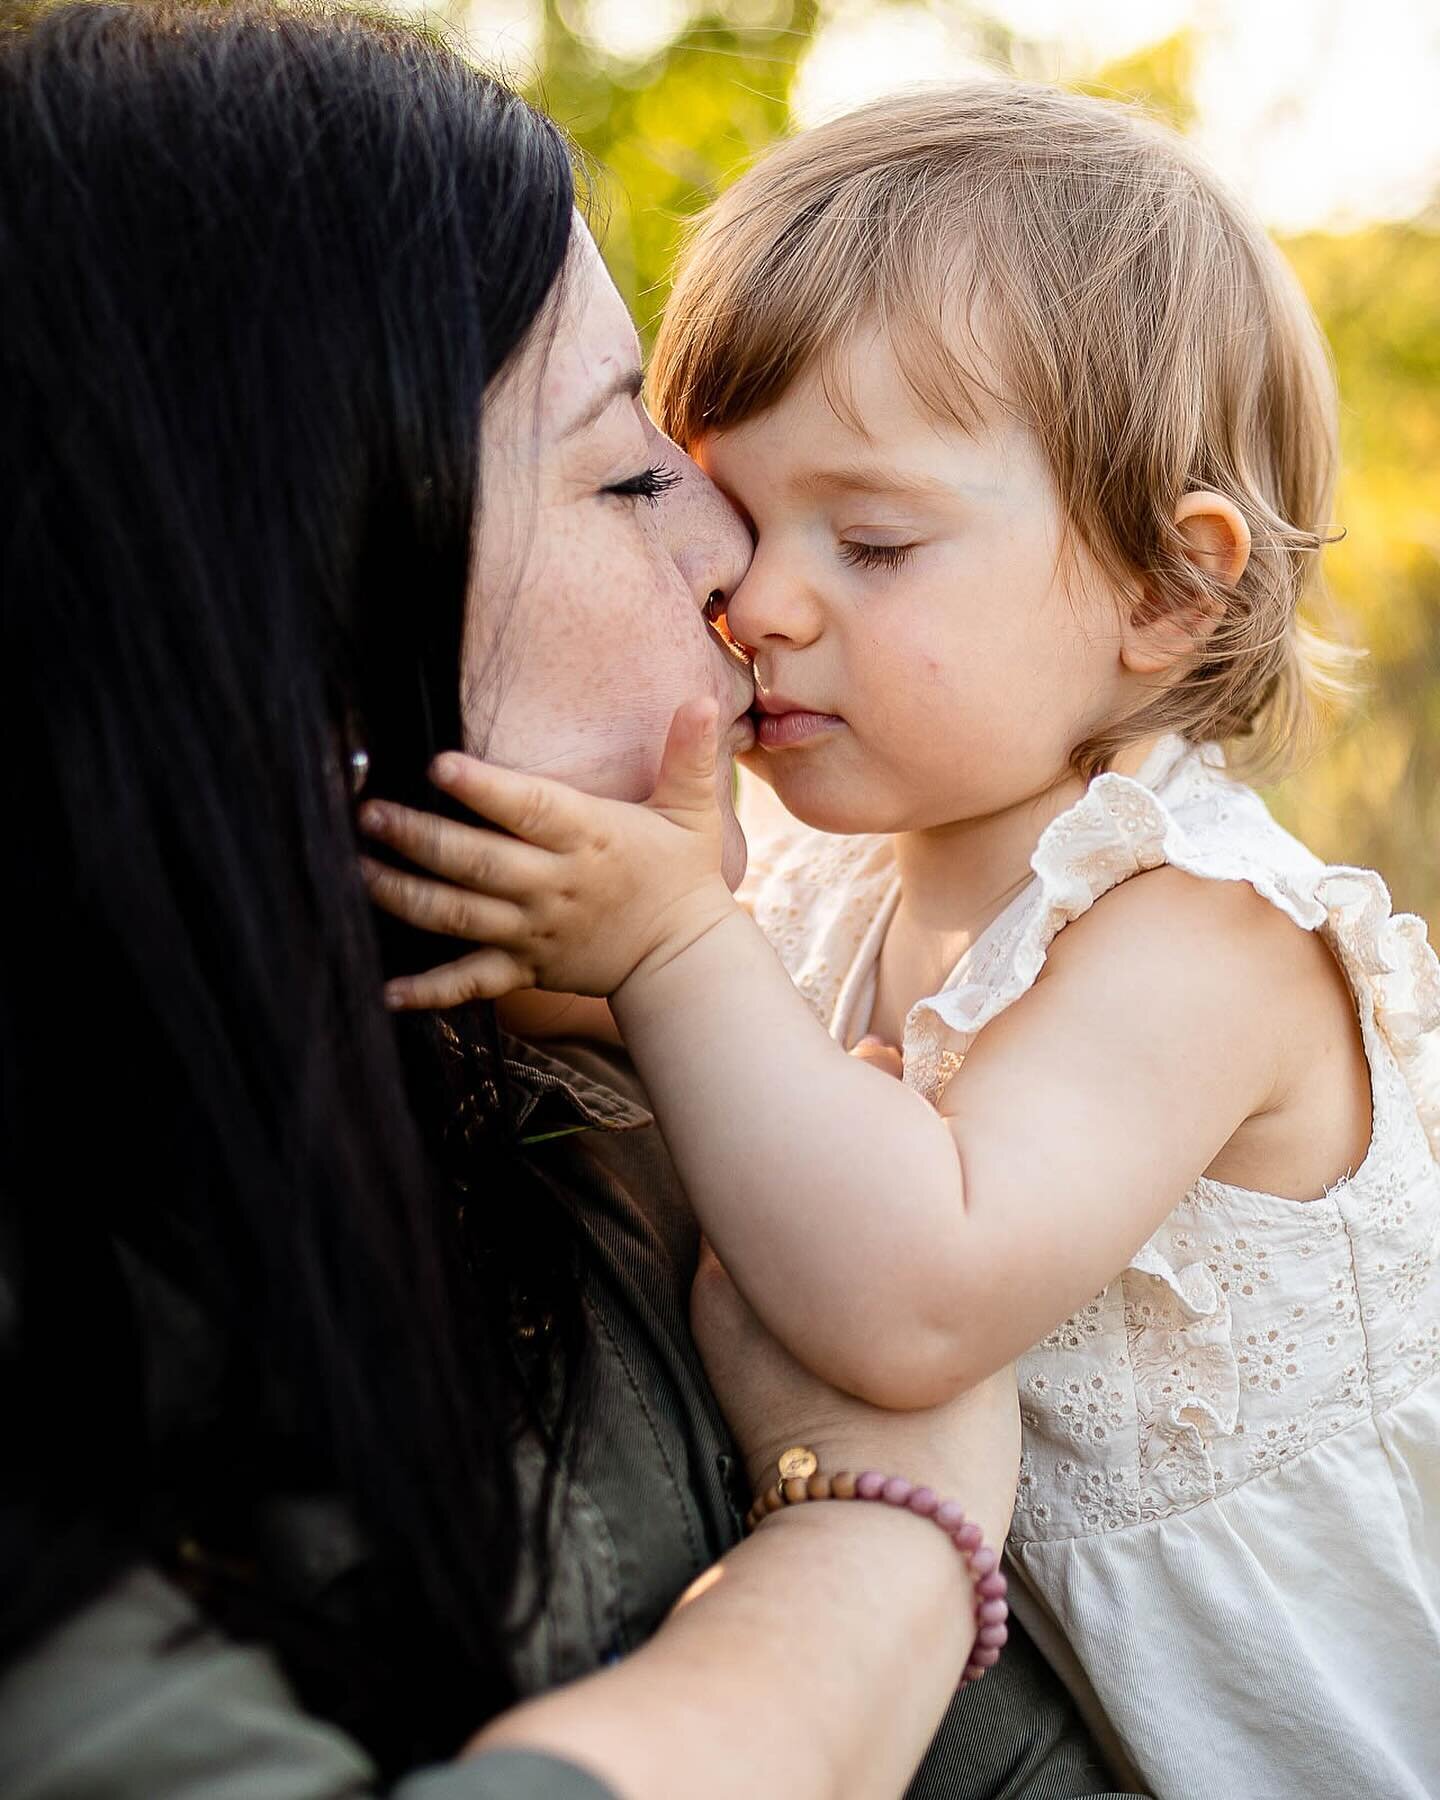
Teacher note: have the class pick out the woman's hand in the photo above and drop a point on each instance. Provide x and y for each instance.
(967, 1450)
(571, 893)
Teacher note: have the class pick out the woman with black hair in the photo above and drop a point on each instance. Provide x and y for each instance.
(346, 1389)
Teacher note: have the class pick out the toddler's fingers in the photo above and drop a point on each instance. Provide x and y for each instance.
(542, 812)
(880, 1055)
(447, 911)
(487, 861)
(485, 975)
(686, 783)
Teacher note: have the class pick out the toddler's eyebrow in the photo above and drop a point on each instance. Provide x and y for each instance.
(863, 478)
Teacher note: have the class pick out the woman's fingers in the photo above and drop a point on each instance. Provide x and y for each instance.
(487, 861)
(542, 812)
(447, 911)
(483, 975)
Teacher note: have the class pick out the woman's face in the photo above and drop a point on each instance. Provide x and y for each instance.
(602, 552)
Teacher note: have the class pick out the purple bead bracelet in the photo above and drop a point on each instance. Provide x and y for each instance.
(800, 1480)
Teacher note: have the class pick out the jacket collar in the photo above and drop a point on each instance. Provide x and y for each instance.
(551, 1095)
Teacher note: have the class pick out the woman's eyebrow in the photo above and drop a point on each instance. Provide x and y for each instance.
(627, 384)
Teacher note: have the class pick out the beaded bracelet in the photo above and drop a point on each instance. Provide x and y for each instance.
(799, 1479)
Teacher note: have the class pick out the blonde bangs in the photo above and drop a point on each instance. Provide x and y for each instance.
(763, 293)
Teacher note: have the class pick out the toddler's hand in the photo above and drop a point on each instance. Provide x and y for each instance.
(582, 891)
(880, 1055)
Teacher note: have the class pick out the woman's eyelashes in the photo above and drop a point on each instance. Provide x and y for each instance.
(876, 556)
(648, 485)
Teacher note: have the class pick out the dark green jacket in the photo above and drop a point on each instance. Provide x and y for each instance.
(138, 1698)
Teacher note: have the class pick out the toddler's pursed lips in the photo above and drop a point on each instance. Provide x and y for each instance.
(768, 701)
(781, 724)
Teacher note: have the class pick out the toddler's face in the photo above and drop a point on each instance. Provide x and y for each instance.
(924, 652)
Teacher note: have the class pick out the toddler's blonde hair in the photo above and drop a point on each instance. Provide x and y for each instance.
(1074, 262)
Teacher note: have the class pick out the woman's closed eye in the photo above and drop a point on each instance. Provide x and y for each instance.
(876, 556)
(648, 485)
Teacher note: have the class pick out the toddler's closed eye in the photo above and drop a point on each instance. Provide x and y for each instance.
(875, 556)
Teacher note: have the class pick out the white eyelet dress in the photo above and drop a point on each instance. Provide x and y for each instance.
(1227, 1537)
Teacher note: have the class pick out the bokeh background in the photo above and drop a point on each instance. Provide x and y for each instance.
(1324, 113)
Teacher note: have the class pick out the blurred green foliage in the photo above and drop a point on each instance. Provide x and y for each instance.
(667, 132)
(664, 136)
(1373, 796)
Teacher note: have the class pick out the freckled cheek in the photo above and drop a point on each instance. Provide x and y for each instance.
(656, 638)
(593, 670)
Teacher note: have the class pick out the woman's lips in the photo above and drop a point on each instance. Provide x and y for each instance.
(741, 735)
(783, 730)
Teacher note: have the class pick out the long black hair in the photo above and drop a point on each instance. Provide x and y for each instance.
(258, 266)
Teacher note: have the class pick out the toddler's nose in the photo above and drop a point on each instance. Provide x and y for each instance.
(772, 606)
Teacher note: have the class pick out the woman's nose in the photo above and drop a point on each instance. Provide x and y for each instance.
(706, 535)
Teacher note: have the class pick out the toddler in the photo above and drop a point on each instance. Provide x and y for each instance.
(1035, 436)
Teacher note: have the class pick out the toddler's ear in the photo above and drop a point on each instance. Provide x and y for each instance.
(1217, 540)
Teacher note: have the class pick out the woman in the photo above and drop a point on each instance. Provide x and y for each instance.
(346, 1387)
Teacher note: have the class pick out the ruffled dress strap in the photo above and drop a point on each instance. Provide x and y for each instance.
(1194, 818)
(1391, 952)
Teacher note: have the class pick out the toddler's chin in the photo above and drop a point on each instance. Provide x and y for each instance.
(827, 804)
(757, 762)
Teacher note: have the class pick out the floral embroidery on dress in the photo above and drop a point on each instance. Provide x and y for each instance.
(1103, 1499)
(1090, 1409)
(1409, 1278)
(1418, 1352)
(1271, 1358)
(1080, 1328)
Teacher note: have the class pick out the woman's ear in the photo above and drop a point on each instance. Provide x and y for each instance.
(1217, 542)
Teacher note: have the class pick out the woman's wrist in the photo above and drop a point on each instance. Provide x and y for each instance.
(967, 1451)
(800, 1481)
(823, 1649)
(908, 1550)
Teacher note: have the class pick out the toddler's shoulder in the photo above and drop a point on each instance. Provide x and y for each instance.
(1170, 932)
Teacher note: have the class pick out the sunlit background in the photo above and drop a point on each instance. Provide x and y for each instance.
(1324, 113)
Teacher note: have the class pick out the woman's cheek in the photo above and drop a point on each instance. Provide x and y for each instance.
(601, 644)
